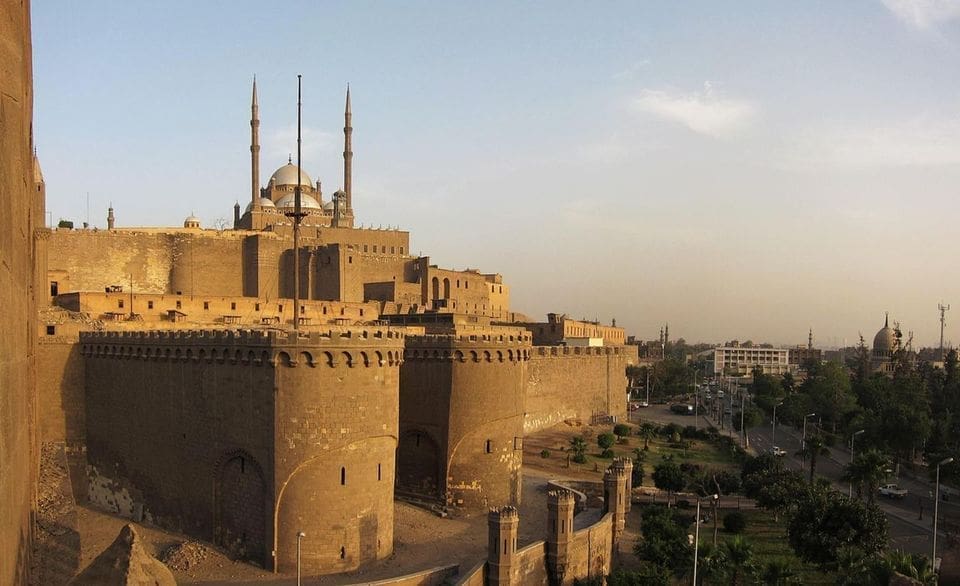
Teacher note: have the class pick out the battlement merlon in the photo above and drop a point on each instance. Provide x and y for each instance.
(507, 514)
(260, 338)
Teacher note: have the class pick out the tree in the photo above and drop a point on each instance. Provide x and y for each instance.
(830, 394)
(606, 440)
(647, 431)
(751, 418)
(648, 575)
(621, 430)
(664, 543)
(826, 521)
(911, 565)
(742, 567)
(867, 471)
(813, 448)
(668, 476)
(779, 572)
(578, 446)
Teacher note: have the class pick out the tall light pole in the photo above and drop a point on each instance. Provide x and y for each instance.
(803, 442)
(936, 509)
(696, 400)
(852, 440)
(696, 538)
(648, 386)
(773, 432)
(300, 537)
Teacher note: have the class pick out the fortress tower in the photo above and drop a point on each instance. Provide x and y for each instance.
(502, 524)
(561, 505)
(462, 417)
(264, 434)
(626, 464)
(614, 499)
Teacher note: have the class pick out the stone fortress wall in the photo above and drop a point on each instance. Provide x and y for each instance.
(22, 254)
(265, 434)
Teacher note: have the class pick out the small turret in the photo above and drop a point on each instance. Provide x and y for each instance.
(626, 464)
(502, 525)
(614, 489)
(561, 506)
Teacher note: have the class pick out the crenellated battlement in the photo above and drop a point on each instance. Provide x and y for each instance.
(506, 514)
(330, 347)
(563, 351)
(561, 496)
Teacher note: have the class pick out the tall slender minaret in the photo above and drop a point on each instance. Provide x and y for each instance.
(348, 155)
(254, 151)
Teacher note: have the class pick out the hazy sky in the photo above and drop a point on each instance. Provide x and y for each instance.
(737, 169)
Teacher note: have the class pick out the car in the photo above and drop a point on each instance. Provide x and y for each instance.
(892, 491)
(778, 451)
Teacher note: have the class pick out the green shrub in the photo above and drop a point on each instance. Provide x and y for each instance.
(734, 522)
(621, 430)
(544, 453)
(606, 440)
(579, 458)
(607, 453)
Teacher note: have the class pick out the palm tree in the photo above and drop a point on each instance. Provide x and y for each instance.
(912, 565)
(778, 572)
(712, 562)
(741, 561)
(866, 472)
(813, 448)
(647, 431)
(579, 447)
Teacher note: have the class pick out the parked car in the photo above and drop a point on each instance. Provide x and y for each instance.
(893, 491)
(682, 409)
(778, 451)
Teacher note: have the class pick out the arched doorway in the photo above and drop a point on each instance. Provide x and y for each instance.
(436, 289)
(418, 465)
(241, 508)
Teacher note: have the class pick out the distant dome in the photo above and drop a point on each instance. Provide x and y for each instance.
(287, 175)
(306, 202)
(191, 222)
(264, 203)
(886, 339)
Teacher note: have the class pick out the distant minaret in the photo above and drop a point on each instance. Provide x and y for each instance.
(810, 340)
(254, 151)
(348, 155)
(110, 218)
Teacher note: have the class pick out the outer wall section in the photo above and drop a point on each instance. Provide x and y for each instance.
(18, 221)
(564, 383)
(337, 423)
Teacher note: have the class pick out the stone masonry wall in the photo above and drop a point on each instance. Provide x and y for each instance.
(564, 383)
(19, 220)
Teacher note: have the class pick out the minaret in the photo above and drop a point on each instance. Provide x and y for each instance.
(348, 155)
(254, 151)
(810, 340)
(110, 218)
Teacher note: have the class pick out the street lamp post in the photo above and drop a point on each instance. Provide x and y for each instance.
(803, 442)
(696, 538)
(773, 432)
(300, 536)
(696, 401)
(852, 440)
(936, 507)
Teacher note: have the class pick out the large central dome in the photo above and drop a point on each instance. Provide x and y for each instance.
(287, 175)
(885, 341)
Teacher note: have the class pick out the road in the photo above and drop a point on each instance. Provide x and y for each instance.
(911, 518)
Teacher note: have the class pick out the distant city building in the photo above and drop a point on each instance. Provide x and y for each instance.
(802, 355)
(561, 330)
(741, 360)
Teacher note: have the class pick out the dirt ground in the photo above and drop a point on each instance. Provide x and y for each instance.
(72, 535)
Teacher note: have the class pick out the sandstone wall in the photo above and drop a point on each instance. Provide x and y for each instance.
(564, 383)
(60, 390)
(18, 221)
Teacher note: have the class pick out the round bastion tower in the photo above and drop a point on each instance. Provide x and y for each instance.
(461, 425)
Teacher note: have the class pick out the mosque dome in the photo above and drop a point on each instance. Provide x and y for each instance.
(191, 222)
(287, 175)
(886, 339)
(265, 202)
(306, 202)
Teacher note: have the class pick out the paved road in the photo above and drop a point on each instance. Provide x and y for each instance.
(908, 531)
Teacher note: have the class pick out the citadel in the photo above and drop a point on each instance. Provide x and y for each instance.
(244, 385)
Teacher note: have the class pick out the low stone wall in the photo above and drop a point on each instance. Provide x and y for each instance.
(431, 577)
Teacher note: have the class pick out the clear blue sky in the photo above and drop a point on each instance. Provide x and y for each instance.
(741, 170)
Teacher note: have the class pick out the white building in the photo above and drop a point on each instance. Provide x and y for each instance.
(740, 361)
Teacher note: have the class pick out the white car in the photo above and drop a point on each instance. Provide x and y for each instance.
(892, 491)
(778, 451)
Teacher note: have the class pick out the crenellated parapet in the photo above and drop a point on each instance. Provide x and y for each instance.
(331, 347)
(564, 351)
(511, 345)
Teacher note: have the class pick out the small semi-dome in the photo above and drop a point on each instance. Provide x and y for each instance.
(265, 202)
(287, 175)
(191, 222)
(886, 339)
(306, 202)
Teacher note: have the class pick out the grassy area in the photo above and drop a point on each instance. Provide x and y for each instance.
(769, 541)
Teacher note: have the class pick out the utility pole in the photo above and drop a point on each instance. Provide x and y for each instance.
(943, 322)
(297, 216)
